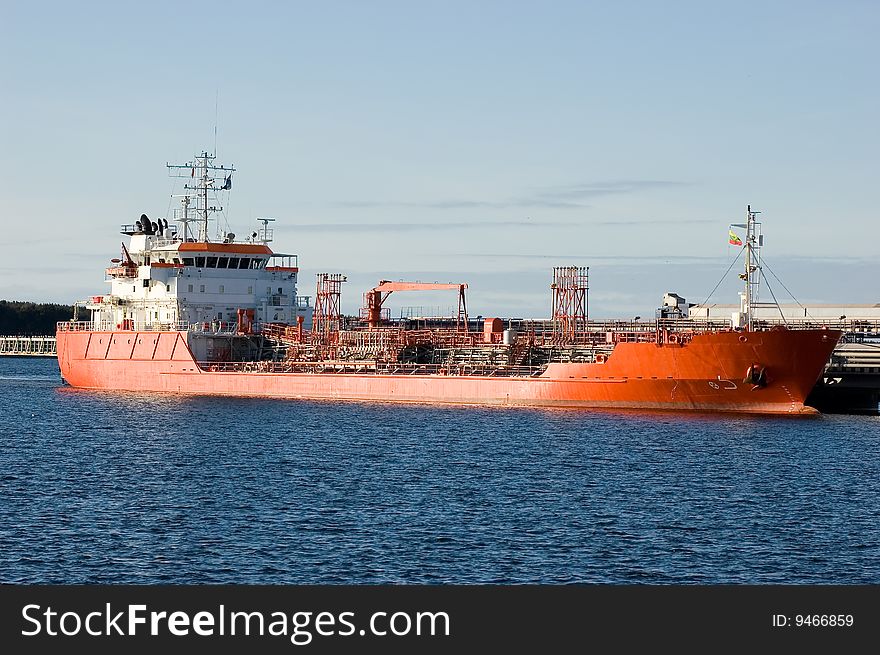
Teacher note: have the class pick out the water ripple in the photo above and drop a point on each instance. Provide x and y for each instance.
(145, 488)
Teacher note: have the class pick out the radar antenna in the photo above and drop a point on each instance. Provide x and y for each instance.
(266, 234)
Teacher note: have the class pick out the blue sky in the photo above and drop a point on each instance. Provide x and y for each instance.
(483, 142)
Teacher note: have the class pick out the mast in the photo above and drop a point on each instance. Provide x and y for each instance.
(204, 228)
(206, 181)
(752, 276)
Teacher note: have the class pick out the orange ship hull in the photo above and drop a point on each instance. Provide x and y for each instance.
(704, 374)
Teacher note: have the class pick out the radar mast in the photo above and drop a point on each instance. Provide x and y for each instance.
(207, 179)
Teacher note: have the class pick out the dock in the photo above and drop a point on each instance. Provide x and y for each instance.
(18, 346)
(851, 382)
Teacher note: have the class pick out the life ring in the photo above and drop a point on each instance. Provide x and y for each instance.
(673, 338)
(601, 358)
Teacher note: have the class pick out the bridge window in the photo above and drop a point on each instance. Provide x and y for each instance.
(212, 262)
(233, 262)
(200, 262)
(188, 261)
(245, 262)
(222, 261)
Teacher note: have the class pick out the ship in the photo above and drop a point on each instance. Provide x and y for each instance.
(191, 310)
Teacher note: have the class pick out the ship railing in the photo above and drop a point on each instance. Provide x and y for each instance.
(166, 326)
(214, 327)
(719, 325)
(163, 242)
(330, 367)
(74, 326)
(20, 344)
(126, 325)
(855, 328)
(690, 325)
(861, 336)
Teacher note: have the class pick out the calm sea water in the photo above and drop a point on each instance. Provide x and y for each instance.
(145, 488)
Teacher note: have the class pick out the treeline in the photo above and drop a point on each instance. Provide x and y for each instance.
(29, 318)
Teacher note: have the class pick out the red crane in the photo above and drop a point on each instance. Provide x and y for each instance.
(377, 295)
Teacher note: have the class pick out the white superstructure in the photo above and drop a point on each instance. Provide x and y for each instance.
(170, 278)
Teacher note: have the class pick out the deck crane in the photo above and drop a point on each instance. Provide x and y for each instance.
(375, 297)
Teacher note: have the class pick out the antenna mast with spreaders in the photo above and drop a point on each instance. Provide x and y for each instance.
(754, 241)
(207, 179)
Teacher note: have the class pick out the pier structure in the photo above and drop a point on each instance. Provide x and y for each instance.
(27, 346)
(851, 381)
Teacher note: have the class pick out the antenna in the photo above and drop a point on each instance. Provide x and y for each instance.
(206, 179)
(266, 234)
(216, 113)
